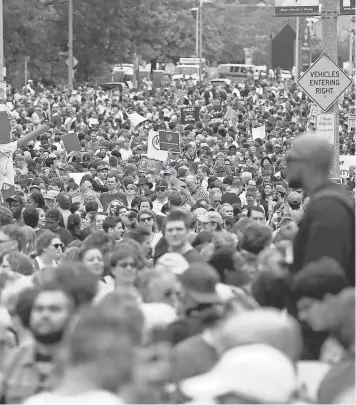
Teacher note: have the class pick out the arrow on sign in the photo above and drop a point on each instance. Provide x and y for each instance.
(75, 62)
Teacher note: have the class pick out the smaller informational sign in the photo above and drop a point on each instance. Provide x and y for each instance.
(153, 147)
(295, 8)
(347, 7)
(189, 115)
(136, 119)
(169, 141)
(147, 164)
(324, 82)
(325, 127)
(351, 122)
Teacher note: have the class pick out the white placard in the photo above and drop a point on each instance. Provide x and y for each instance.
(136, 119)
(325, 127)
(153, 147)
(259, 132)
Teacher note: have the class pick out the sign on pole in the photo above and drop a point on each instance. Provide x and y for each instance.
(347, 7)
(169, 141)
(75, 62)
(325, 126)
(324, 82)
(351, 121)
(189, 115)
(296, 8)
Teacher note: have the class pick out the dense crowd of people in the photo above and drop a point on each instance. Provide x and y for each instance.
(223, 274)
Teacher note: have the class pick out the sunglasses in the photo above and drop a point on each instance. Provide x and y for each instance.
(130, 188)
(161, 188)
(147, 219)
(58, 245)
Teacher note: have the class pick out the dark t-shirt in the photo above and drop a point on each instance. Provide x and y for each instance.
(64, 235)
(106, 198)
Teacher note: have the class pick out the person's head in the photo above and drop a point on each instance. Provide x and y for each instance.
(100, 347)
(93, 259)
(15, 264)
(53, 216)
(74, 223)
(99, 220)
(16, 204)
(215, 196)
(308, 159)
(211, 221)
(36, 200)
(192, 183)
(176, 229)
(64, 201)
(147, 218)
(104, 242)
(112, 181)
(49, 245)
(124, 266)
(31, 217)
(256, 237)
(256, 213)
(51, 313)
(17, 234)
(161, 189)
(313, 286)
(250, 197)
(226, 211)
(145, 204)
(114, 227)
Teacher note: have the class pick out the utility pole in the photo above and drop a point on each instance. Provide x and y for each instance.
(297, 35)
(201, 40)
(27, 58)
(329, 14)
(70, 45)
(2, 64)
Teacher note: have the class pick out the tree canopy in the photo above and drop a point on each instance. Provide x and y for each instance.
(110, 31)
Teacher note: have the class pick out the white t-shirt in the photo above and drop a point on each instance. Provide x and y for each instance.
(7, 173)
(88, 398)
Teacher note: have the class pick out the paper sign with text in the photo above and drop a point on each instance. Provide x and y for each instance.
(259, 132)
(325, 127)
(189, 115)
(153, 148)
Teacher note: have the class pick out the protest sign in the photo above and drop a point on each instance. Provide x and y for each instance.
(179, 94)
(351, 122)
(5, 129)
(7, 191)
(77, 177)
(148, 164)
(259, 132)
(169, 141)
(189, 115)
(71, 142)
(136, 119)
(153, 147)
(325, 126)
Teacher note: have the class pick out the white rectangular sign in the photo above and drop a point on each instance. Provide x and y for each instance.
(325, 127)
(324, 82)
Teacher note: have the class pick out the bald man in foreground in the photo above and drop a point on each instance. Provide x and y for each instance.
(328, 225)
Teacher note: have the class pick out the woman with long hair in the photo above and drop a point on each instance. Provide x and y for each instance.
(113, 208)
(49, 249)
(73, 226)
(147, 218)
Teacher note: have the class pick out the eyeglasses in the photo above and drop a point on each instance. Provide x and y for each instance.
(161, 189)
(57, 245)
(146, 219)
(130, 188)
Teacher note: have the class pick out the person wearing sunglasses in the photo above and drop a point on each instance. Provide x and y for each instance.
(147, 218)
(49, 249)
(162, 196)
(130, 190)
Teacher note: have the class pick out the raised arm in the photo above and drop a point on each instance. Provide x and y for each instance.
(32, 135)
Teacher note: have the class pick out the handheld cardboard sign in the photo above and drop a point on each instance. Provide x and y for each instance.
(7, 191)
(5, 128)
(71, 142)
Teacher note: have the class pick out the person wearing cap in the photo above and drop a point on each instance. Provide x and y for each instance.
(50, 198)
(328, 226)
(170, 175)
(211, 222)
(99, 182)
(16, 204)
(161, 190)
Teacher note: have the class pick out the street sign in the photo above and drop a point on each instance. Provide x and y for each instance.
(347, 7)
(325, 126)
(296, 8)
(324, 82)
(75, 62)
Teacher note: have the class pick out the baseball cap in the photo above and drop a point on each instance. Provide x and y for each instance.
(200, 280)
(294, 198)
(102, 167)
(204, 145)
(16, 198)
(212, 216)
(142, 181)
(200, 212)
(51, 195)
(280, 189)
(35, 186)
(161, 183)
(239, 369)
(171, 170)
